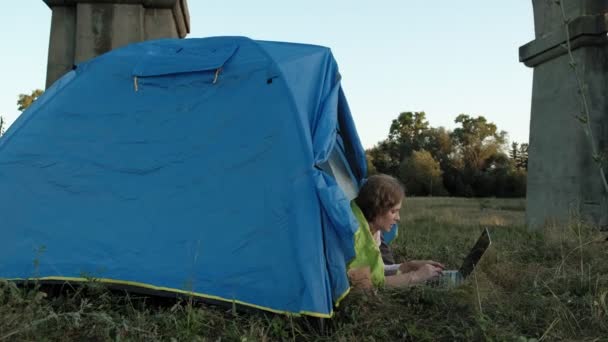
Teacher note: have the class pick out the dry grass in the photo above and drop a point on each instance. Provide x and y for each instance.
(465, 211)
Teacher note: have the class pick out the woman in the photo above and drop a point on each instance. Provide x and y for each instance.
(377, 208)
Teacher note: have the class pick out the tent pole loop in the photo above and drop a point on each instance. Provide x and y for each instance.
(217, 74)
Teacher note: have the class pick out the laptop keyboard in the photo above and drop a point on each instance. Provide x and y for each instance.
(451, 278)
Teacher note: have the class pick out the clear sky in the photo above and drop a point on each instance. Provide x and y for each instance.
(442, 57)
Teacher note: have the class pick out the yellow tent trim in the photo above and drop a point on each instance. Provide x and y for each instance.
(189, 293)
(342, 297)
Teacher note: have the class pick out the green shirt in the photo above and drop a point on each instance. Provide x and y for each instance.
(366, 250)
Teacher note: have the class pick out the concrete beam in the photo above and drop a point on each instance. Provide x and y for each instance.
(83, 29)
(587, 30)
(145, 3)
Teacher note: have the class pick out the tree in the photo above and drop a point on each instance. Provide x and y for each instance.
(517, 183)
(519, 155)
(385, 157)
(493, 180)
(421, 174)
(371, 169)
(514, 152)
(406, 134)
(25, 100)
(522, 161)
(2, 123)
(477, 142)
(407, 131)
(439, 143)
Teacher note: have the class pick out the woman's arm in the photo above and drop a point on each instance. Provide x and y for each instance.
(422, 274)
(401, 280)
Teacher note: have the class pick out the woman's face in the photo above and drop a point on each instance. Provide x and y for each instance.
(385, 221)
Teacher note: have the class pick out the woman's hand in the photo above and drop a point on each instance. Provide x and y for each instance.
(427, 272)
(415, 265)
(360, 278)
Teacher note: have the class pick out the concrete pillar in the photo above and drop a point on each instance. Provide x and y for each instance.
(563, 179)
(61, 43)
(83, 29)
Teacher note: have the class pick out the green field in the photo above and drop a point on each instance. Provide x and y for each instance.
(551, 285)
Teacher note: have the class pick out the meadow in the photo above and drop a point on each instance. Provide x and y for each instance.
(549, 285)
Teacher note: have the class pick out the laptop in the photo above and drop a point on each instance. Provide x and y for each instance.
(453, 278)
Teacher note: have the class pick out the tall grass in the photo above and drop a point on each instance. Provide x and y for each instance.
(550, 285)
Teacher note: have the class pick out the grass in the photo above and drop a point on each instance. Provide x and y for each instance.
(551, 285)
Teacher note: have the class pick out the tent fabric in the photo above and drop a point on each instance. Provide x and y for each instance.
(190, 166)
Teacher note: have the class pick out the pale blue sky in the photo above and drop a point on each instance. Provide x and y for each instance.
(443, 57)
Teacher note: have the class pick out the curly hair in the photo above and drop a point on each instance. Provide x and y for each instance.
(379, 194)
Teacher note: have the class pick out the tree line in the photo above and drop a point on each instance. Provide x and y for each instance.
(470, 161)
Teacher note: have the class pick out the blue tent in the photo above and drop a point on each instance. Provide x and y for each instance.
(218, 167)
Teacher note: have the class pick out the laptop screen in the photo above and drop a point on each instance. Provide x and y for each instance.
(482, 244)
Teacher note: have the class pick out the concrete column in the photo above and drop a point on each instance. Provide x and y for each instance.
(61, 43)
(83, 29)
(103, 27)
(156, 20)
(563, 180)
